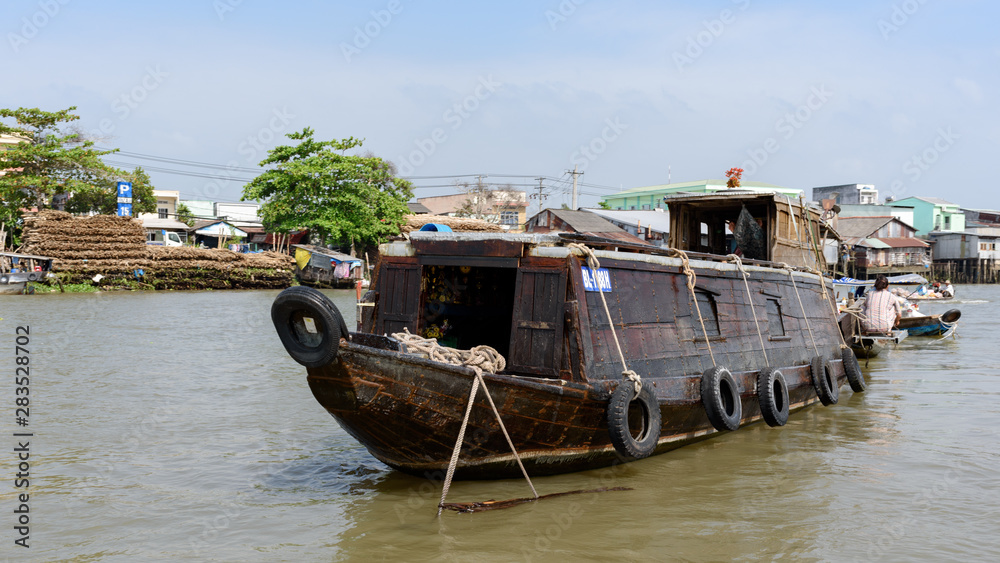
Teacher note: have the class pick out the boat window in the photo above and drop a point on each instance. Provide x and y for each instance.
(467, 306)
(775, 324)
(709, 313)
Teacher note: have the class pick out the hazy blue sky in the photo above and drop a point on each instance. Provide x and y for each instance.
(898, 93)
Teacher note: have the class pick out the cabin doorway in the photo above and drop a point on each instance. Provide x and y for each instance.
(467, 306)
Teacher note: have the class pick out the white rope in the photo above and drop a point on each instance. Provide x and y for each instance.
(480, 359)
(593, 264)
(691, 280)
(739, 265)
(791, 275)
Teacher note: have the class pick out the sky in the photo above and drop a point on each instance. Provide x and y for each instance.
(897, 93)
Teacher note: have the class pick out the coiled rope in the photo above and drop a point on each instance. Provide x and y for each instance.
(480, 359)
(739, 265)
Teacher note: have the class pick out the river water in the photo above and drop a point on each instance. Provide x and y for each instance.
(173, 425)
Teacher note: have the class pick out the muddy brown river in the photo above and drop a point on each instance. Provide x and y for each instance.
(173, 426)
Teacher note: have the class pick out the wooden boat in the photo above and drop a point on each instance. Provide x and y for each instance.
(17, 269)
(871, 345)
(707, 359)
(917, 324)
(322, 267)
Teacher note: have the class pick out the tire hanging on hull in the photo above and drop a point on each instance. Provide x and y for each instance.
(721, 398)
(853, 370)
(824, 381)
(309, 325)
(625, 443)
(772, 395)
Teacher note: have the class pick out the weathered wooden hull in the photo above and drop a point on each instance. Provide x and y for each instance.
(538, 306)
(407, 412)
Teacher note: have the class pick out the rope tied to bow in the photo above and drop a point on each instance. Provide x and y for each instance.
(480, 359)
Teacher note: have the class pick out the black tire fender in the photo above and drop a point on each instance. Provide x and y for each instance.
(33, 276)
(4, 278)
(721, 398)
(853, 370)
(772, 394)
(824, 381)
(309, 325)
(951, 315)
(618, 420)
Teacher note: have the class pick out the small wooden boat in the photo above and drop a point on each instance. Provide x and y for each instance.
(918, 324)
(871, 345)
(17, 269)
(646, 351)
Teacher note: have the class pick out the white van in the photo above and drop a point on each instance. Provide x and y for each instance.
(163, 238)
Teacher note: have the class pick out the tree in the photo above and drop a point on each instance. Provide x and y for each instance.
(184, 214)
(340, 197)
(603, 204)
(102, 196)
(53, 159)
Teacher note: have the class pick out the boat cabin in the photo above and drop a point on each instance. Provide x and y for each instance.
(767, 227)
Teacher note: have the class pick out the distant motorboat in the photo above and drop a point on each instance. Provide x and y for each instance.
(17, 269)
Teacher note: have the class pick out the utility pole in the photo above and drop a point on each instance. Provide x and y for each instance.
(575, 175)
(480, 204)
(541, 195)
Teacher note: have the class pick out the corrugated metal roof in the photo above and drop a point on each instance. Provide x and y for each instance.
(875, 243)
(861, 227)
(904, 242)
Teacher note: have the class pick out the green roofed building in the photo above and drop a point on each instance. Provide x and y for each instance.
(651, 197)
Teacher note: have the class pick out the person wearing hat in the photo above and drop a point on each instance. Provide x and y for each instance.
(947, 290)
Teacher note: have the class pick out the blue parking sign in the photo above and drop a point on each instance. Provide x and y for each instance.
(125, 189)
(124, 209)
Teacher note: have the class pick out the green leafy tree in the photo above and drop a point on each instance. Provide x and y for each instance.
(102, 196)
(603, 204)
(50, 158)
(184, 214)
(342, 198)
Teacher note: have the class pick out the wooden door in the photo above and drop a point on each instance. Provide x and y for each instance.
(399, 294)
(537, 327)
